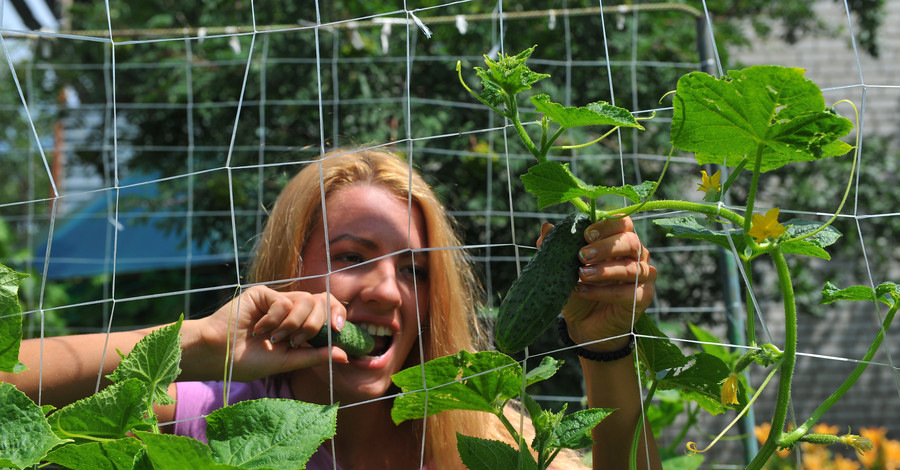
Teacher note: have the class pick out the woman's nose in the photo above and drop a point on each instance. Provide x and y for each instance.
(382, 285)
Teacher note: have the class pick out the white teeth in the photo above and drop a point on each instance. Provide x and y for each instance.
(375, 330)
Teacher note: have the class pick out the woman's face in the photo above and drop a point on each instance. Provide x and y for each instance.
(377, 275)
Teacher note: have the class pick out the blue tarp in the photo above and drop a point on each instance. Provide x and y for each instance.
(83, 240)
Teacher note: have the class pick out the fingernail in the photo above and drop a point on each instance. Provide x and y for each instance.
(593, 235)
(278, 336)
(339, 323)
(587, 271)
(580, 288)
(587, 254)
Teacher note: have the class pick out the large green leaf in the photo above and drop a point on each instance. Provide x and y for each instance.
(599, 113)
(769, 108)
(483, 381)
(168, 452)
(10, 319)
(553, 183)
(269, 433)
(108, 414)
(154, 360)
(118, 454)
(484, 454)
(25, 436)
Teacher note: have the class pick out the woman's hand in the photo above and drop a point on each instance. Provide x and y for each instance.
(262, 330)
(615, 285)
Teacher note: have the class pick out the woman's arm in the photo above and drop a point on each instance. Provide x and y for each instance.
(64, 369)
(615, 286)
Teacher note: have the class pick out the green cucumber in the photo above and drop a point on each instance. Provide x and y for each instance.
(537, 297)
(352, 339)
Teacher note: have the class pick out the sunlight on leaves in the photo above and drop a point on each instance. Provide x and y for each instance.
(768, 108)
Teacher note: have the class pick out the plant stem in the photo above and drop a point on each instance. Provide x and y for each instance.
(788, 360)
(638, 430)
(751, 308)
(509, 426)
(751, 197)
(513, 108)
(845, 387)
(674, 204)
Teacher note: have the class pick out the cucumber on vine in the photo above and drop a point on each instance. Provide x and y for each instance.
(541, 291)
(353, 340)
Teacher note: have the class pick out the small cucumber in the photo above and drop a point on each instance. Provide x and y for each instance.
(353, 340)
(537, 297)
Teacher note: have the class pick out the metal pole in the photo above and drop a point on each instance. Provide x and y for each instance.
(734, 309)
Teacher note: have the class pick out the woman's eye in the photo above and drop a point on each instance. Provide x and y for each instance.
(418, 272)
(347, 258)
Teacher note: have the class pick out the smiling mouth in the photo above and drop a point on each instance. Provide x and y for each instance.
(383, 336)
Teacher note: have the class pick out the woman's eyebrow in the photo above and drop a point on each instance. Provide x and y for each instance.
(362, 241)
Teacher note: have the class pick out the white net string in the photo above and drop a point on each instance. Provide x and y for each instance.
(404, 39)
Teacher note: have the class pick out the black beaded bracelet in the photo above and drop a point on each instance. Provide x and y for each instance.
(563, 330)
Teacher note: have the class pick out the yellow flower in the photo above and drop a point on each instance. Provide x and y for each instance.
(730, 389)
(860, 443)
(710, 185)
(765, 226)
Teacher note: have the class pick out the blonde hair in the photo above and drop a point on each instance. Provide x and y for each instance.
(454, 290)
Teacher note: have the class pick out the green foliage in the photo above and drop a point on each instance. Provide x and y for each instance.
(10, 319)
(486, 381)
(94, 432)
(552, 183)
(269, 433)
(154, 362)
(25, 436)
(769, 111)
(766, 116)
(503, 79)
(691, 228)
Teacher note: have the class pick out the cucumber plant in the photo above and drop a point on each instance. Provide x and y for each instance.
(752, 121)
(117, 428)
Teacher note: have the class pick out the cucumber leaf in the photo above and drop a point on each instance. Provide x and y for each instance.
(25, 436)
(118, 454)
(885, 293)
(544, 371)
(690, 227)
(700, 380)
(10, 319)
(769, 108)
(269, 432)
(109, 414)
(574, 431)
(656, 352)
(506, 77)
(553, 183)
(154, 360)
(482, 381)
(485, 454)
(599, 113)
(169, 452)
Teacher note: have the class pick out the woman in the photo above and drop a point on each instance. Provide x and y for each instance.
(385, 256)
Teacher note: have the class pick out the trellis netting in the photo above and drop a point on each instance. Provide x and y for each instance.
(144, 147)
